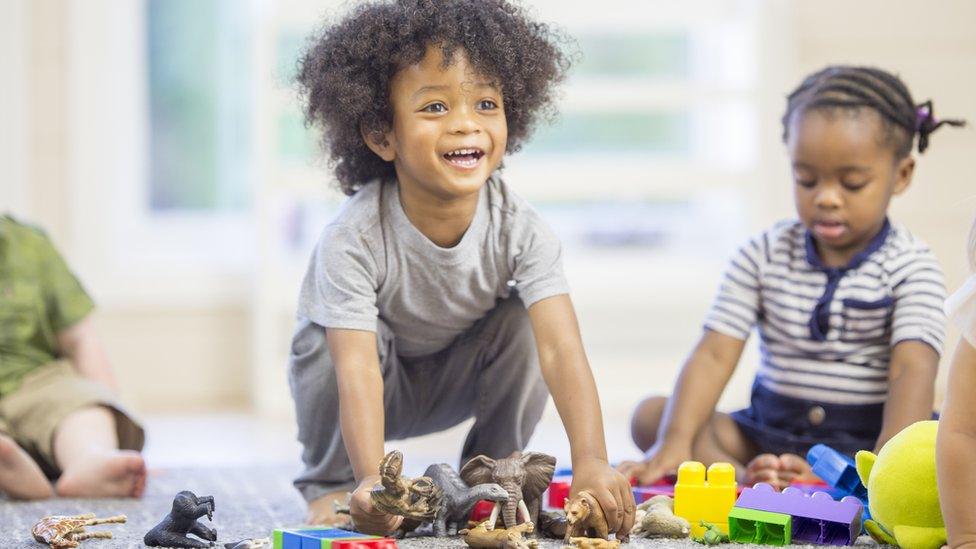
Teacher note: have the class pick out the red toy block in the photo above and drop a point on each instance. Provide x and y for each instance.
(379, 543)
(644, 493)
(481, 511)
(558, 492)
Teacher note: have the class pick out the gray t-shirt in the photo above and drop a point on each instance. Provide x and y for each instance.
(371, 262)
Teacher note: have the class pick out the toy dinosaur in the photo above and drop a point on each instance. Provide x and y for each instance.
(712, 535)
(592, 543)
(902, 491)
(181, 521)
(480, 537)
(584, 517)
(458, 499)
(60, 531)
(655, 518)
(416, 499)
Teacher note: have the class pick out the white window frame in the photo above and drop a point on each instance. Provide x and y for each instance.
(130, 255)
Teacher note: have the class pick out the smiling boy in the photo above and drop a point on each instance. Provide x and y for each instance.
(436, 294)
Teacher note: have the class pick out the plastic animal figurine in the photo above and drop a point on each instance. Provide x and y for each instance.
(712, 535)
(902, 491)
(585, 518)
(60, 531)
(655, 518)
(458, 499)
(524, 476)
(252, 543)
(181, 521)
(592, 543)
(552, 524)
(416, 499)
(481, 537)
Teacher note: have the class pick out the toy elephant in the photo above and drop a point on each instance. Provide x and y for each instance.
(524, 476)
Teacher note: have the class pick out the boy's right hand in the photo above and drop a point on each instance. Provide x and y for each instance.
(366, 518)
(661, 460)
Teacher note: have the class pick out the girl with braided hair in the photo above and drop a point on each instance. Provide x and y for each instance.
(956, 442)
(848, 305)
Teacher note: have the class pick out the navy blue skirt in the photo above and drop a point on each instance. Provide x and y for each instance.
(779, 424)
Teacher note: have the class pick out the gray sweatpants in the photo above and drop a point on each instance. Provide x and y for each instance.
(490, 372)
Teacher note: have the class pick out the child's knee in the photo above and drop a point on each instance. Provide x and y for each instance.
(646, 419)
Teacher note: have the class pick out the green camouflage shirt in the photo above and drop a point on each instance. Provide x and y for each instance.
(39, 297)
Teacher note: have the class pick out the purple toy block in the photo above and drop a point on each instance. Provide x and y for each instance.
(817, 518)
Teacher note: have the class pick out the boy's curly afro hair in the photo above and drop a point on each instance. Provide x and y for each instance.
(344, 74)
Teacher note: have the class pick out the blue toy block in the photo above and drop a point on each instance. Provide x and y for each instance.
(837, 470)
(327, 538)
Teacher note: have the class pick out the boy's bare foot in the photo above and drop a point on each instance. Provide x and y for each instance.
(765, 468)
(20, 476)
(322, 511)
(120, 473)
(794, 468)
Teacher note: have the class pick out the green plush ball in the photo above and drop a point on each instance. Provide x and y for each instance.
(902, 489)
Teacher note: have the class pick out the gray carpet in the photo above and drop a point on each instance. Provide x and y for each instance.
(250, 502)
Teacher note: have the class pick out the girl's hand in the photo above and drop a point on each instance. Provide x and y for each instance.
(611, 490)
(662, 459)
(366, 518)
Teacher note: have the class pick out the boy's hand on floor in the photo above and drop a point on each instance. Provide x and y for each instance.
(366, 518)
(661, 461)
(611, 490)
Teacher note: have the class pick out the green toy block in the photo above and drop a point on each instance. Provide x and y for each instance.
(762, 527)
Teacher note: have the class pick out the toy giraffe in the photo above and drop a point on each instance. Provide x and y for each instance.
(66, 531)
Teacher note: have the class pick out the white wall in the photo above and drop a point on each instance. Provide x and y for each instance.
(200, 349)
(14, 39)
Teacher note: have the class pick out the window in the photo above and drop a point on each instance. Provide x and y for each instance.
(198, 82)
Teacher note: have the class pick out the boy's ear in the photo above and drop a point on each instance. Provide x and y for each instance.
(904, 170)
(379, 142)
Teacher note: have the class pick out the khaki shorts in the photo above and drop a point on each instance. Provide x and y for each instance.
(31, 414)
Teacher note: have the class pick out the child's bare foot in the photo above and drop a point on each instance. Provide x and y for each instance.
(322, 511)
(20, 476)
(121, 473)
(794, 468)
(765, 468)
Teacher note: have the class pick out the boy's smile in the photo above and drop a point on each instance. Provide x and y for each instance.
(845, 174)
(449, 129)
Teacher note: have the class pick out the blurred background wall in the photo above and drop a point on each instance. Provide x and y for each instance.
(161, 145)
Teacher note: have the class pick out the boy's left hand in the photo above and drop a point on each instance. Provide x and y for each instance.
(612, 492)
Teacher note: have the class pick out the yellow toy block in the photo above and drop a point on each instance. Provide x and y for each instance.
(698, 497)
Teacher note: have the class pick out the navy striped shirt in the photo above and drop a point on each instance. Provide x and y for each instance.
(827, 334)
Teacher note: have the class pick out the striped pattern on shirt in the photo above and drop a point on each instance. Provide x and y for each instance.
(896, 294)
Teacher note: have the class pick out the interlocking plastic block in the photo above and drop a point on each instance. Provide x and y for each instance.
(481, 510)
(837, 470)
(761, 527)
(817, 518)
(705, 495)
(558, 492)
(644, 493)
(328, 538)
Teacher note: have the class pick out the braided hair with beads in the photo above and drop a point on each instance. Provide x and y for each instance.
(849, 87)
